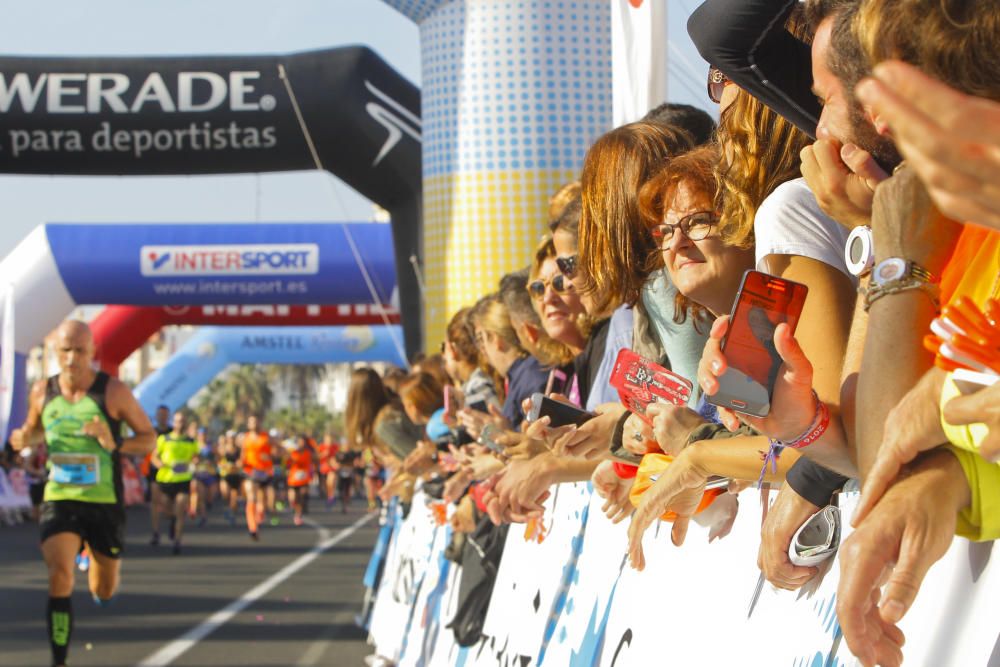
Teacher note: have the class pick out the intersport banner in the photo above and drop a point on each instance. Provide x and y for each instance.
(344, 110)
(187, 265)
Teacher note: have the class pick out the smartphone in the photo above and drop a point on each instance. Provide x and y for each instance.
(556, 383)
(559, 413)
(762, 303)
(479, 406)
(486, 437)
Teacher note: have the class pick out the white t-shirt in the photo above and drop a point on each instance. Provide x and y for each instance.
(790, 222)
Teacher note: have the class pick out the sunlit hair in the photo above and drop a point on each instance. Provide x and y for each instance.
(562, 198)
(477, 311)
(613, 242)
(462, 337)
(491, 316)
(954, 41)
(763, 152)
(424, 392)
(366, 396)
(553, 352)
(433, 364)
(696, 170)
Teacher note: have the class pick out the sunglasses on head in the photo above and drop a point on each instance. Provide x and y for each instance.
(567, 265)
(717, 82)
(559, 282)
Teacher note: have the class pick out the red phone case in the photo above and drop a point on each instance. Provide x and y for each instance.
(640, 382)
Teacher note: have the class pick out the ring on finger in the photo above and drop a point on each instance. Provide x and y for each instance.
(637, 436)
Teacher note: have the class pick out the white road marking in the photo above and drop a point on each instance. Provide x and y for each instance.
(189, 639)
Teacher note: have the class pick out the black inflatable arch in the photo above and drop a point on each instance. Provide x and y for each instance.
(344, 109)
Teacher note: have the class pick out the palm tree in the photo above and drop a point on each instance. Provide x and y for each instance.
(242, 391)
(300, 378)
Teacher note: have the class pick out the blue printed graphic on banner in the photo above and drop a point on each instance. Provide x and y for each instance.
(232, 264)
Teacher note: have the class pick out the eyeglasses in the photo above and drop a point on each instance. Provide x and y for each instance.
(559, 282)
(567, 265)
(696, 226)
(717, 82)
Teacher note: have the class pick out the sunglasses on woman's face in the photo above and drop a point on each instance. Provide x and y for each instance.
(560, 285)
(717, 82)
(567, 265)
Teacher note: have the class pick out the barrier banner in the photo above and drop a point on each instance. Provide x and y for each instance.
(407, 562)
(524, 598)
(426, 621)
(690, 606)
(579, 627)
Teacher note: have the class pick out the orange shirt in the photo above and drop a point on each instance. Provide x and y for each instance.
(257, 452)
(300, 464)
(974, 268)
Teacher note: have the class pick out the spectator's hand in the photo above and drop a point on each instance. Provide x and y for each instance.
(592, 440)
(843, 179)
(909, 529)
(614, 490)
(672, 426)
(637, 436)
(533, 442)
(455, 485)
(98, 429)
(482, 466)
(982, 407)
(793, 406)
(951, 140)
(905, 223)
(464, 518)
(786, 515)
(520, 491)
(474, 420)
(916, 427)
(421, 459)
(18, 440)
(679, 490)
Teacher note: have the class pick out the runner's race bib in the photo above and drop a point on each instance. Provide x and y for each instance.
(260, 476)
(75, 469)
(180, 468)
(300, 475)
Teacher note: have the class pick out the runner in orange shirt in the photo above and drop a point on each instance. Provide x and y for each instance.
(258, 464)
(325, 452)
(300, 473)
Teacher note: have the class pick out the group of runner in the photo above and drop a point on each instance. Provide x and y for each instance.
(187, 473)
(73, 440)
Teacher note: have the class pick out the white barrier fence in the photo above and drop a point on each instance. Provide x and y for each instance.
(572, 599)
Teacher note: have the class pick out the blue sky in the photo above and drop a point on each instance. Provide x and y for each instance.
(148, 27)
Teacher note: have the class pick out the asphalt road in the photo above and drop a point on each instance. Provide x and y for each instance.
(307, 618)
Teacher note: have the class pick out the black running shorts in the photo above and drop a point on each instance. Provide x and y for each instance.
(101, 525)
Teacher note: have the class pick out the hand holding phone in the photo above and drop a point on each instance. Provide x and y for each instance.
(559, 413)
(751, 356)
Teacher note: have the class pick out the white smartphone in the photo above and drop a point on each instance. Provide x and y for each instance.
(969, 382)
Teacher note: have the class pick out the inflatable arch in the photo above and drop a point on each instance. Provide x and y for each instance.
(211, 349)
(60, 266)
(120, 330)
(343, 110)
(513, 94)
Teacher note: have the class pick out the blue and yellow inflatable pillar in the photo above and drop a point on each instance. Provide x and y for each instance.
(513, 94)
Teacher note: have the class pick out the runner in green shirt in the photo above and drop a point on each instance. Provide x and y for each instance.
(78, 414)
(174, 458)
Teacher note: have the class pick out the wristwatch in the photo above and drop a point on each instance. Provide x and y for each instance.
(897, 269)
(859, 251)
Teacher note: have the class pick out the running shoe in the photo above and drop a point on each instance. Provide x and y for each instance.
(83, 561)
(177, 548)
(173, 527)
(155, 540)
(254, 537)
(297, 520)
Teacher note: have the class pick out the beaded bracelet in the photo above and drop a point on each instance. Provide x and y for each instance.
(819, 425)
